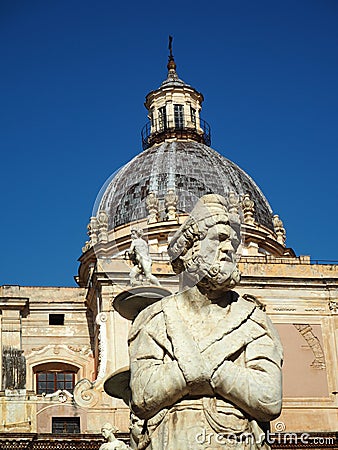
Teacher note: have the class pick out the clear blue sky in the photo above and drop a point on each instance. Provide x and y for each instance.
(73, 79)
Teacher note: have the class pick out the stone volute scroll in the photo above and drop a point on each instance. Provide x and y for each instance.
(205, 363)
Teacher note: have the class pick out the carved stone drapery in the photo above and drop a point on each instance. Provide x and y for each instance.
(13, 369)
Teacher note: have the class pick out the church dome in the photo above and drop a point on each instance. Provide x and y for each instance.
(190, 168)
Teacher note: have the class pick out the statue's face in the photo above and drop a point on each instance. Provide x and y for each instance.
(105, 432)
(214, 263)
(133, 234)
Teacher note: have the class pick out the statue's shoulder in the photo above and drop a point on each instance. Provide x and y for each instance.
(254, 308)
(148, 316)
(260, 317)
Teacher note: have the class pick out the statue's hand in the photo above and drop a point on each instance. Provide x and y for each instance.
(201, 387)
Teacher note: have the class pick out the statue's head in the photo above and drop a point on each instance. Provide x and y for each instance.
(107, 430)
(204, 247)
(136, 233)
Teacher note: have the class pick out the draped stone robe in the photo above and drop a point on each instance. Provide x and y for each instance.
(215, 393)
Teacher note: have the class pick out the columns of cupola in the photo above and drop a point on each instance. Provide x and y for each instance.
(174, 107)
(174, 112)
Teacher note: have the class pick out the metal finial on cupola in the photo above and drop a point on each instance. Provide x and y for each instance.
(171, 62)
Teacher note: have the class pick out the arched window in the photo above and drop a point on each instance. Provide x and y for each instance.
(54, 376)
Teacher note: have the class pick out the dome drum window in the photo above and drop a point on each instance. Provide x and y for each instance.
(176, 126)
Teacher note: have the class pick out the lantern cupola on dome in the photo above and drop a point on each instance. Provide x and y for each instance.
(174, 111)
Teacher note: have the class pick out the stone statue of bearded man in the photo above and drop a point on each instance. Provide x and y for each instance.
(205, 363)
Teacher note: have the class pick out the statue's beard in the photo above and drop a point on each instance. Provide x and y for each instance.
(217, 276)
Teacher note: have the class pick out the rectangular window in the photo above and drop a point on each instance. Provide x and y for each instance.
(49, 382)
(178, 116)
(151, 117)
(56, 319)
(193, 115)
(62, 425)
(162, 118)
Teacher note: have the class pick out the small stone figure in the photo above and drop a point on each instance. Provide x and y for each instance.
(205, 363)
(152, 207)
(136, 426)
(171, 200)
(108, 431)
(139, 255)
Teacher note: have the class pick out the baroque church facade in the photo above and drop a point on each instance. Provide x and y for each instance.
(59, 346)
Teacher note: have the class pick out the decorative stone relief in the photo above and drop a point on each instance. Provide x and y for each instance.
(152, 207)
(85, 350)
(333, 306)
(86, 247)
(56, 349)
(13, 369)
(93, 231)
(170, 202)
(101, 320)
(314, 344)
(102, 221)
(61, 396)
(279, 229)
(85, 391)
(248, 207)
(138, 254)
(233, 203)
